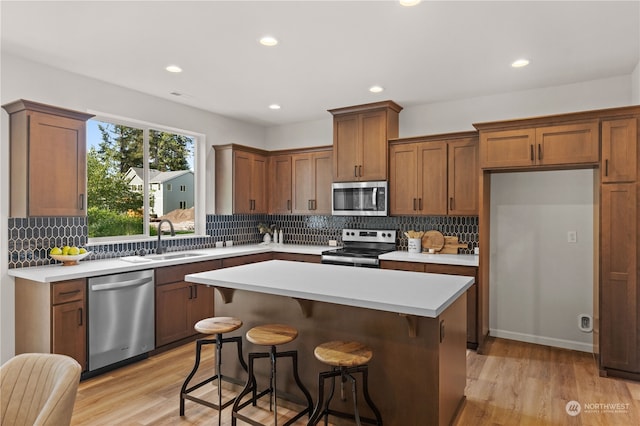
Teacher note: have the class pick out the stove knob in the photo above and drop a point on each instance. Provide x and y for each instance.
(384, 235)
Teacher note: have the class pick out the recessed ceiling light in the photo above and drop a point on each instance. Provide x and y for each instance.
(274, 106)
(173, 68)
(268, 41)
(520, 63)
(409, 3)
(376, 89)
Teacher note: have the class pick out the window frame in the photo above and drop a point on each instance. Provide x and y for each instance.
(199, 176)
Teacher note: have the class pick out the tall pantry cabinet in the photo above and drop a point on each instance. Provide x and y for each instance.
(619, 298)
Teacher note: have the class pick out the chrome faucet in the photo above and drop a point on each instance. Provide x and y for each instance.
(160, 249)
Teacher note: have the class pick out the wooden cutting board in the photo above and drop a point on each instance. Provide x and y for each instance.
(451, 245)
(432, 239)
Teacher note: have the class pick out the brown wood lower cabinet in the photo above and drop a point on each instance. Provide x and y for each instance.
(179, 305)
(52, 318)
(296, 257)
(472, 293)
(243, 260)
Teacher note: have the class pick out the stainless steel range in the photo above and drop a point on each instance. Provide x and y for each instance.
(361, 247)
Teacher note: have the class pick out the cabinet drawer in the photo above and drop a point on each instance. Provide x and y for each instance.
(243, 260)
(68, 291)
(172, 274)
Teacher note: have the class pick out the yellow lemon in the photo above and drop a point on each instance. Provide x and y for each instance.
(74, 251)
(65, 250)
(83, 250)
(55, 250)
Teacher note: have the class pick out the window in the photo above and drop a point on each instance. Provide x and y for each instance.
(183, 188)
(122, 161)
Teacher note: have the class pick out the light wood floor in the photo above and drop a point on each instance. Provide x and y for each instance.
(513, 384)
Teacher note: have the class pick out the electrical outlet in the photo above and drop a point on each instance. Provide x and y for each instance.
(572, 237)
(333, 243)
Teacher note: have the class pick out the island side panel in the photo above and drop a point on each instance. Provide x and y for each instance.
(33, 316)
(404, 374)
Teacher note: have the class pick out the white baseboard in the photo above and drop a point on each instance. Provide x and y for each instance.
(542, 340)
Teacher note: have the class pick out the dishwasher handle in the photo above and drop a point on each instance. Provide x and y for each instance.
(121, 284)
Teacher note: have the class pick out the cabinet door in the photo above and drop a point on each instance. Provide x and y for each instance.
(619, 150)
(57, 151)
(173, 321)
(259, 184)
(303, 191)
(507, 148)
(200, 303)
(322, 178)
(432, 178)
(373, 146)
(618, 287)
(403, 182)
(463, 177)
(69, 331)
(242, 164)
(281, 184)
(346, 135)
(567, 144)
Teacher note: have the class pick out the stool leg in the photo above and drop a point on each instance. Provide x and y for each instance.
(365, 390)
(355, 395)
(248, 387)
(219, 374)
(273, 396)
(304, 390)
(190, 376)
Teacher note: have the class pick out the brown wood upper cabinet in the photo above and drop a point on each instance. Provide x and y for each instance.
(241, 179)
(553, 145)
(434, 175)
(300, 181)
(619, 150)
(360, 135)
(312, 183)
(47, 144)
(280, 184)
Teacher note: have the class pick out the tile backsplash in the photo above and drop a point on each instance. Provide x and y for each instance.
(31, 238)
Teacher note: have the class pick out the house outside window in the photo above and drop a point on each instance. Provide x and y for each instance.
(130, 169)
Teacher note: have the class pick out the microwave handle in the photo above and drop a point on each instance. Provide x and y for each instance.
(375, 196)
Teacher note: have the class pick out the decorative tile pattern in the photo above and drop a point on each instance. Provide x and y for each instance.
(30, 239)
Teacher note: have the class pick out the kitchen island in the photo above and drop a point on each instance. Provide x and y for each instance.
(414, 322)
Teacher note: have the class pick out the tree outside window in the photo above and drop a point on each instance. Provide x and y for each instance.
(116, 175)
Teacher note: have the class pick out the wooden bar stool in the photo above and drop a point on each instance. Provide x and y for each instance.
(270, 335)
(217, 326)
(346, 359)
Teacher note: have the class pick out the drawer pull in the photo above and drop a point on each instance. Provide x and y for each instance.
(69, 293)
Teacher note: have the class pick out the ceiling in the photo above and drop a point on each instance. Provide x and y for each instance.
(329, 52)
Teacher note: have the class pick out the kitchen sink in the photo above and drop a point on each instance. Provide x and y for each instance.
(169, 256)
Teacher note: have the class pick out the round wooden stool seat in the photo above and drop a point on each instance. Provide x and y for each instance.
(217, 325)
(343, 354)
(272, 334)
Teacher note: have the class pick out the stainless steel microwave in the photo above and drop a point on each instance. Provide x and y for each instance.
(359, 198)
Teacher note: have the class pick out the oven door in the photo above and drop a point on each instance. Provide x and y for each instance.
(359, 198)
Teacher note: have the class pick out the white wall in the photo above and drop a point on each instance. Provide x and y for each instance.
(539, 281)
(635, 85)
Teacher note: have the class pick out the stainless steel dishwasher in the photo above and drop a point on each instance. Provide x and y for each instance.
(121, 317)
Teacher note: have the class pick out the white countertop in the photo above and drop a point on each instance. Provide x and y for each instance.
(93, 268)
(445, 259)
(413, 293)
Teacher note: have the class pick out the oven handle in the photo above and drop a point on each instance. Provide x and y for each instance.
(348, 260)
(375, 196)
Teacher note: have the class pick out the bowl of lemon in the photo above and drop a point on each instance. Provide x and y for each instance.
(68, 255)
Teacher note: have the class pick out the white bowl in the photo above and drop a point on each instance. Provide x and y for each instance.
(68, 260)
